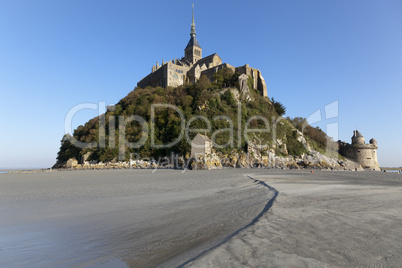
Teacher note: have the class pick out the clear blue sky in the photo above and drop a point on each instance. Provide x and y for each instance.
(57, 54)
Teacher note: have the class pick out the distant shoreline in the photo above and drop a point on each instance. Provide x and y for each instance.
(24, 170)
(44, 170)
(391, 168)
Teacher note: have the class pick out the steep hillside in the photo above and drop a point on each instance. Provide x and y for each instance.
(152, 123)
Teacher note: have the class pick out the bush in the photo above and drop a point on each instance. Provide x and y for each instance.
(315, 134)
(229, 98)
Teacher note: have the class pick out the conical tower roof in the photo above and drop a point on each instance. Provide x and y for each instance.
(193, 40)
(357, 134)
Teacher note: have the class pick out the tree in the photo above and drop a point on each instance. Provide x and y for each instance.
(204, 83)
(279, 108)
(187, 101)
(67, 150)
(225, 77)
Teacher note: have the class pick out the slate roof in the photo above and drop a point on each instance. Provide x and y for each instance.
(358, 134)
(207, 59)
(193, 42)
(205, 138)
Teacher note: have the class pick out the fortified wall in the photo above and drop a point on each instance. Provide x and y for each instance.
(360, 152)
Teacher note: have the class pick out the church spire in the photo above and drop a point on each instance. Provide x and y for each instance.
(193, 26)
(193, 50)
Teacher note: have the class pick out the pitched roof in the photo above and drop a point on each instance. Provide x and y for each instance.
(193, 42)
(205, 138)
(183, 62)
(207, 59)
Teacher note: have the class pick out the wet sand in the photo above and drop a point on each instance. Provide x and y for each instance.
(121, 218)
(325, 219)
(136, 218)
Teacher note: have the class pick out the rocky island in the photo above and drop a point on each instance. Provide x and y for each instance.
(221, 112)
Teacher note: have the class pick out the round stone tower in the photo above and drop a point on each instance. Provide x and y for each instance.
(365, 154)
(358, 138)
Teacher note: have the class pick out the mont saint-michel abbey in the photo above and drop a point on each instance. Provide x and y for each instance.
(192, 66)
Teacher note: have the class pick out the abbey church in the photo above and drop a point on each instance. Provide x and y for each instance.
(192, 66)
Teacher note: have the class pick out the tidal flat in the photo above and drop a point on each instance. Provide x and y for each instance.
(170, 218)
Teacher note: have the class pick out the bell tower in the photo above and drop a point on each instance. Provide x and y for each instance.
(193, 50)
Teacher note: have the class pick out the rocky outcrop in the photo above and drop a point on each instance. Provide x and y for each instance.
(71, 163)
(275, 156)
(244, 89)
(311, 161)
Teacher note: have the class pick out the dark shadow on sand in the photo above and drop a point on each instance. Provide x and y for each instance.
(256, 219)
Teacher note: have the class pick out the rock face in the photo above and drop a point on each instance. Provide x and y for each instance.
(261, 85)
(203, 163)
(250, 159)
(244, 89)
(71, 163)
(203, 156)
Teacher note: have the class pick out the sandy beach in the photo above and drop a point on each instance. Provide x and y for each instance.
(325, 219)
(121, 218)
(222, 218)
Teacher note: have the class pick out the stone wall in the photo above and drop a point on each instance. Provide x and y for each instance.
(210, 72)
(262, 87)
(363, 154)
(176, 74)
(366, 156)
(158, 78)
(171, 74)
(255, 74)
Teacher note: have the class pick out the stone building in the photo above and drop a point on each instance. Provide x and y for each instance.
(201, 145)
(192, 66)
(360, 152)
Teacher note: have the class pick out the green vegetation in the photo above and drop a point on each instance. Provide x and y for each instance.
(203, 99)
(294, 146)
(67, 150)
(316, 138)
(225, 78)
(279, 108)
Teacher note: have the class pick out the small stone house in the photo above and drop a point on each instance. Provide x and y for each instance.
(200, 145)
